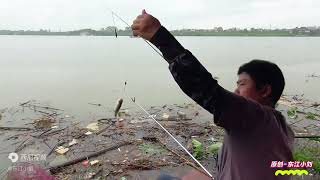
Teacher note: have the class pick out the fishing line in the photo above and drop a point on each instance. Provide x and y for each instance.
(151, 116)
(113, 13)
(114, 24)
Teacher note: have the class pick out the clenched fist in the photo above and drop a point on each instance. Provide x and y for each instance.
(145, 26)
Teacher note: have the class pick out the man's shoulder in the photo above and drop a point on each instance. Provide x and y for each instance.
(281, 123)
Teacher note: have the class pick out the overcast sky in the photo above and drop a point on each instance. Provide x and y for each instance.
(174, 14)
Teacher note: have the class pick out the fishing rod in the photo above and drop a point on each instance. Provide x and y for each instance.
(113, 13)
(137, 104)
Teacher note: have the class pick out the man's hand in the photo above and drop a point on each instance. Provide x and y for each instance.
(145, 26)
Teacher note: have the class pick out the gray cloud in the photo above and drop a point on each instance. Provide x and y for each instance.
(68, 15)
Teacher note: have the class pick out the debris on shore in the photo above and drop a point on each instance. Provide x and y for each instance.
(119, 147)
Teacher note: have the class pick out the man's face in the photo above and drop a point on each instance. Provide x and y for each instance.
(246, 87)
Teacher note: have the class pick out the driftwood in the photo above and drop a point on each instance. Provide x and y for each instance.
(103, 129)
(174, 118)
(27, 104)
(54, 147)
(305, 113)
(16, 128)
(24, 144)
(149, 166)
(22, 104)
(48, 108)
(56, 168)
(20, 147)
(47, 132)
(94, 104)
(43, 133)
(315, 136)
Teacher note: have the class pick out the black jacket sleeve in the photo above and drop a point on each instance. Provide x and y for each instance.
(230, 110)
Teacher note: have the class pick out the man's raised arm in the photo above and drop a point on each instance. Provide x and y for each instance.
(187, 71)
(230, 110)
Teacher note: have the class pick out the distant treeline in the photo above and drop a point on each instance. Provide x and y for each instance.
(111, 31)
(82, 32)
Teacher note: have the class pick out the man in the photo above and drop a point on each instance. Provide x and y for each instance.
(255, 133)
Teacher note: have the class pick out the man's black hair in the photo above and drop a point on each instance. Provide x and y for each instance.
(265, 73)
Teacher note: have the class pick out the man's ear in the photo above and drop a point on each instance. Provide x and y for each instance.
(266, 91)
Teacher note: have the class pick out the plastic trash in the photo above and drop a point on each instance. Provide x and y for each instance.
(88, 133)
(73, 142)
(94, 162)
(93, 127)
(62, 150)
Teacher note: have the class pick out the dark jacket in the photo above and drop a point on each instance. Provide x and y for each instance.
(255, 135)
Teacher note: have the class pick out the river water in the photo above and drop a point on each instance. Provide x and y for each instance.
(71, 72)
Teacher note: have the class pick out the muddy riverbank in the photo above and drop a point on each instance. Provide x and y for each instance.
(131, 146)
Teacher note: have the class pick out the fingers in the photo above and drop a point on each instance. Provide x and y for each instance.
(136, 24)
(136, 21)
(134, 33)
(143, 25)
(139, 22)
(135, 27)
(140, 16)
